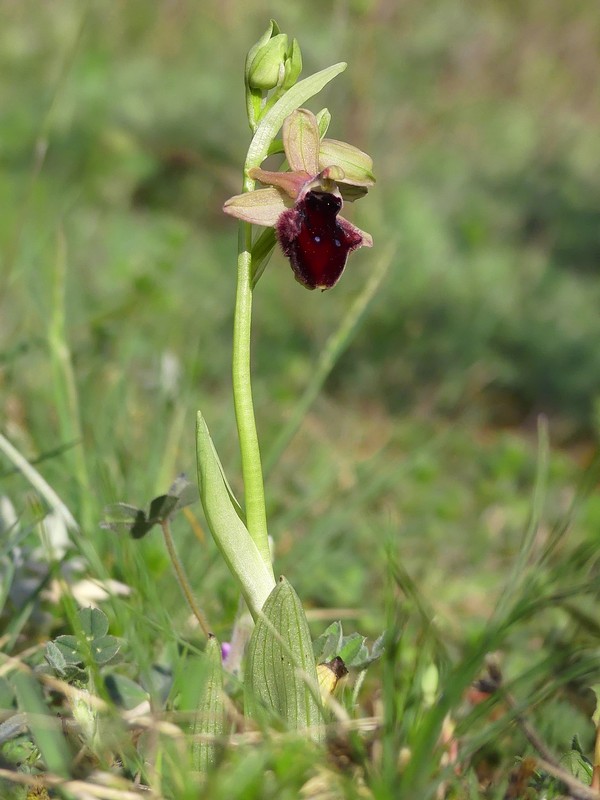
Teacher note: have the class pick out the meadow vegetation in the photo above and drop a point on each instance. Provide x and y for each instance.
(442, 487)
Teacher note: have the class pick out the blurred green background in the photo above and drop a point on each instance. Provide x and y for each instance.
(122, 131)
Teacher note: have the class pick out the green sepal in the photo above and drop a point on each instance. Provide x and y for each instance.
(281, 677)
(357, 165)
(253, 573)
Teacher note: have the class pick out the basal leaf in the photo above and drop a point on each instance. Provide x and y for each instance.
(281, 677)
(210, 711)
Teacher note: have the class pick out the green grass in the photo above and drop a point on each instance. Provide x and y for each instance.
(417, 489)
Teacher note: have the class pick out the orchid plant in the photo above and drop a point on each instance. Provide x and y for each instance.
(299, 206)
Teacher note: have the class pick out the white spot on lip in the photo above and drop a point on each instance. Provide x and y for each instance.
(317, 239)
(337, 243)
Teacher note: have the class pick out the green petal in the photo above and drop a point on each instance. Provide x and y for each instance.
(261, 207)
(351, 192)
(301, 141)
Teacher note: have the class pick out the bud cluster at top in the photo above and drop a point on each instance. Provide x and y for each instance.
(272, 65)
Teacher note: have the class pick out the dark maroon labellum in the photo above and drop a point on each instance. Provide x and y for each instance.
(315, 241)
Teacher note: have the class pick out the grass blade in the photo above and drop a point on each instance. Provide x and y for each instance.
(44, 726)
(39, 484)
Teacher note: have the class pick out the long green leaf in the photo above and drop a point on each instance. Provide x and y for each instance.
(237, 547)
(291, 100)
(281, 676)
(210, 713)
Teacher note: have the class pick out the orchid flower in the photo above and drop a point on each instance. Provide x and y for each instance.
(303, 203)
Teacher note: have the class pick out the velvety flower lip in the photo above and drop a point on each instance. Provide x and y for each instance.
(303, 203)
(316, 240)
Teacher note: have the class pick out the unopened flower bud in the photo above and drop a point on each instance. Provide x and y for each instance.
(293, 65)
(268, 65)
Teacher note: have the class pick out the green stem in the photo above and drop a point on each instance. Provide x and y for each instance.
(254, 493)
(264, 135)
